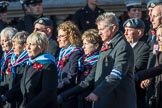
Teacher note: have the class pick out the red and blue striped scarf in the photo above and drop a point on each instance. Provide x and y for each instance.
(16, 61)
(64, 56)
(4, 62)
(87, 61)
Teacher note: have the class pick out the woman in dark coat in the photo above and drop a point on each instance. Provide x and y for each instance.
(152, 72)
(18, 58)
(6, 43)
(69, 39)
(91, 45)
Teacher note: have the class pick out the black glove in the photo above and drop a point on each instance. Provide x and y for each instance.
(60, 99)
(3, 99)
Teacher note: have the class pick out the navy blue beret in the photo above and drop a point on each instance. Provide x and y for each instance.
(134, 23)
(45, 21)
(153, 3)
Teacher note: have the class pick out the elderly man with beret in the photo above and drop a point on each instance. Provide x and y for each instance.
(134, 31)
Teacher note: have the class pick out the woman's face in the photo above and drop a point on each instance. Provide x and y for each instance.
(88, 47)
(33, 49)
(62, 39)
(159, 36)
(17, 48)
(5, 43)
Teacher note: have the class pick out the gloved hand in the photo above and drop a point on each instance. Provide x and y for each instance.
(3, 99)
(60, 99)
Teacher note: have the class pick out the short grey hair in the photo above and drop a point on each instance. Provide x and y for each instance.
(8, 32)
(109, 18)
(20, 37)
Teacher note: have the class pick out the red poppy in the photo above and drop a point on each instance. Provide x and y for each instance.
(37, 66)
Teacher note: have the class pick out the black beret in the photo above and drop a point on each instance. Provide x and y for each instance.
(134, 23)
(45, 21)
(153, 3)
(27, 2)
(3, 6)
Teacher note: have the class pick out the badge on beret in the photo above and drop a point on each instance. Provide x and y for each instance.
(152, 4)
(128, 24)
(40, 21)
(87, 22)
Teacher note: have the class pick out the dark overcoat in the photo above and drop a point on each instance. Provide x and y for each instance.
(114, 83)
(38, 86)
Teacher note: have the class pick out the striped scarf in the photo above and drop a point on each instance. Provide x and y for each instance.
(16, 61)
(87, 61)
(4, 62)
(64, 56)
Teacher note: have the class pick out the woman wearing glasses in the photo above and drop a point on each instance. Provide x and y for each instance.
(69, 39)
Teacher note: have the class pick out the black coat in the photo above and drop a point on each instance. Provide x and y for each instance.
(141, 56)
(39, 87)
(68, 77)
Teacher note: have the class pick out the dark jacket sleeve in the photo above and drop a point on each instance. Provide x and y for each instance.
(149, 73)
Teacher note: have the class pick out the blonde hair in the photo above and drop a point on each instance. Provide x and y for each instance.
(73, 33)
(40, 39)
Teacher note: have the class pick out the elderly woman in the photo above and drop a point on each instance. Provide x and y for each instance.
(6, 43)
(91, 45)
(18, 58)
(69, 39)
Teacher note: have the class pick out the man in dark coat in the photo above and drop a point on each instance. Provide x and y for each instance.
(114, 70)
(85, 18)
(134, 31)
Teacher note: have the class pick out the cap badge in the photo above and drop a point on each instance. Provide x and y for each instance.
(152, 4)
(41, 21)
(128, 24)
(87, 22)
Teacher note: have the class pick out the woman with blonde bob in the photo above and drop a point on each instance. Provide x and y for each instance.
(39, 81)
(69, 39)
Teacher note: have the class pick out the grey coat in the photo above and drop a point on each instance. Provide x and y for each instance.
(114, 83)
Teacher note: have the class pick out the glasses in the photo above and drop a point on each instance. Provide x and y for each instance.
(61, 36)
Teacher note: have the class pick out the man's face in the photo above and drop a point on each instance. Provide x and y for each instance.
(35, 9)
(105, 31)
(3, 17)
(156, 18)
(135, 13)
(131, 34)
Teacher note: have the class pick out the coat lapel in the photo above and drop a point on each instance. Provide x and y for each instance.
(30, 73)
